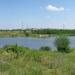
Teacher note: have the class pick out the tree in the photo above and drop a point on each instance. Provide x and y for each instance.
(62, 43)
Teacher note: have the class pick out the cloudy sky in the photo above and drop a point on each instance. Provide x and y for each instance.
(37, 14)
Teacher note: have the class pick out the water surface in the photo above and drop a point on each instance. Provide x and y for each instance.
(33, 42)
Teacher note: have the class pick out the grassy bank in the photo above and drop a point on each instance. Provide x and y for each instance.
(33, 62)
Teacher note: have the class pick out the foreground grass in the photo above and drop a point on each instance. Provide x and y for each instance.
(33, 62)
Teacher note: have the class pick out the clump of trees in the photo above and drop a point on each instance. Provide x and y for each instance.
(53, 31)
(62, 44)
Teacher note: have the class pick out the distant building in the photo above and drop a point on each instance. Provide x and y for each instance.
(45, 35)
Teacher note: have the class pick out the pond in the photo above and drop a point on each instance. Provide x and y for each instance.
(33, 42)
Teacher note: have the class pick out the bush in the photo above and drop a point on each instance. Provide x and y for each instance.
(45, 48)
(15, 48)
(62, 44)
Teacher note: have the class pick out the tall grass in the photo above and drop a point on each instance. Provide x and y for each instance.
(33, 62)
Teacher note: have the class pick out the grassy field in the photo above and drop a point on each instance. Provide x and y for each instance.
(33, 62)
(5, 33)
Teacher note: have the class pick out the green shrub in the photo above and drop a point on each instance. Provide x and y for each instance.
(15, 48)
(62, 44)
(45, 48)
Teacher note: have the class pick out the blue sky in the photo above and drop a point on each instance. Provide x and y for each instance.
(37, 13)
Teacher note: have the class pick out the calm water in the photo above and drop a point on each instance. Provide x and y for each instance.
(33, 42)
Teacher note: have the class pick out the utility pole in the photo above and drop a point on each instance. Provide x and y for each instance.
(63, 26)
(22, 27)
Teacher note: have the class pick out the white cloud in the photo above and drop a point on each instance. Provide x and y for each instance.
(54, 8)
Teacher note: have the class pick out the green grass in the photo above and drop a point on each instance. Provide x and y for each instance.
(33, 62)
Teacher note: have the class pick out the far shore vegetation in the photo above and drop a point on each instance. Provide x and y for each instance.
(35, 32)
